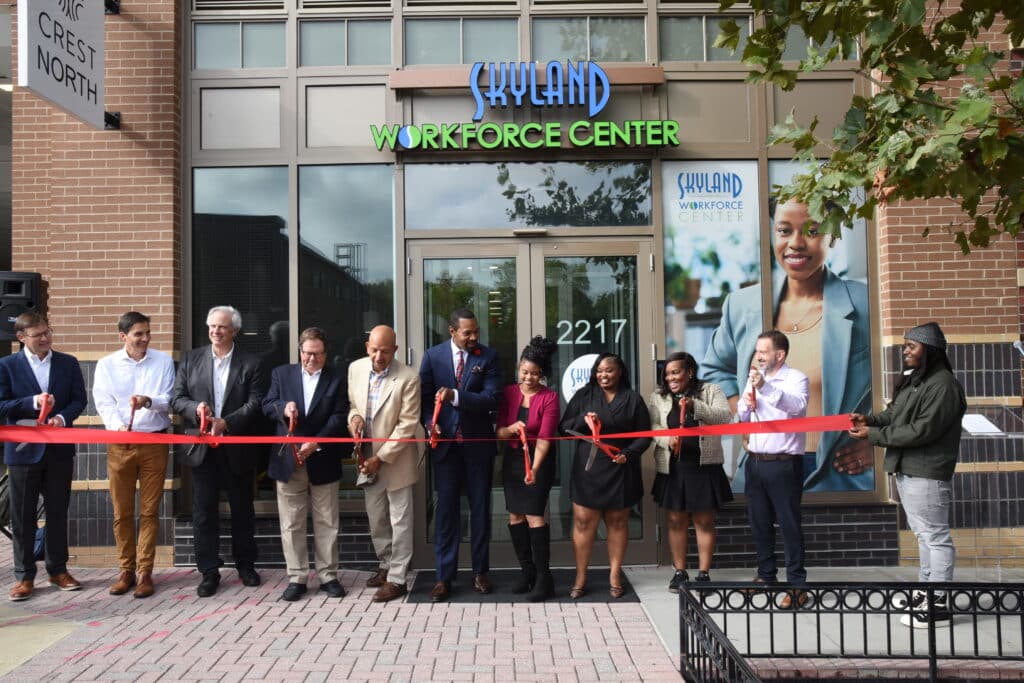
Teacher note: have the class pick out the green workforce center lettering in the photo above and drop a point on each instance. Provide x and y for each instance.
(458, 136)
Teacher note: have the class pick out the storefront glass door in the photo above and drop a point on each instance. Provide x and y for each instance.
(588, 296)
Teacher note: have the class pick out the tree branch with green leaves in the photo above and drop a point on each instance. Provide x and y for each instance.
(945, 117)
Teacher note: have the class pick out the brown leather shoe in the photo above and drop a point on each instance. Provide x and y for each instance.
(125, 581)
(144, 588)
(440, 592)
(378, 579)
(794, 599)
(65, 582)
(389, 591)
(21, 591)
(481, 584)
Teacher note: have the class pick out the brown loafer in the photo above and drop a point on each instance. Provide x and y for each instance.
(440, 592)
(793, 599)
(21, 591)
(481, 584)
(389, 591)
(65, 582)
(378, 579)
(144, 588)
(125, 581)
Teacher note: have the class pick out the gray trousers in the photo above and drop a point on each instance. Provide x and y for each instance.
(926, 503)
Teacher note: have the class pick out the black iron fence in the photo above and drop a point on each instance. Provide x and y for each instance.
(724, 625)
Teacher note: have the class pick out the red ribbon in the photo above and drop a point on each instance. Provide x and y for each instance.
(44, 434)
(526, 456)
(434, 436)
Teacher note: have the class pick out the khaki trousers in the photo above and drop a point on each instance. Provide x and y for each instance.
(293, 505)
(128, 464)
(390, 514)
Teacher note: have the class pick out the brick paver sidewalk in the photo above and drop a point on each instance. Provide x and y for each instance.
(247, 633)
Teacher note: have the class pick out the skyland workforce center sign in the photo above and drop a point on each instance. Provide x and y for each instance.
(60, 54)
(516, 84)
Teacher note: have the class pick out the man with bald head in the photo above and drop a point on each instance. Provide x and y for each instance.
(384, 394)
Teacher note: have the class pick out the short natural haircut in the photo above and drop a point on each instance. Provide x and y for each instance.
(313, 333)
(30, 319)
(459, 314)
(130, 320)
(779, 340)
(236, 317)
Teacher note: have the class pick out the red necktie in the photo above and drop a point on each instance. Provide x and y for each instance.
(458, 371)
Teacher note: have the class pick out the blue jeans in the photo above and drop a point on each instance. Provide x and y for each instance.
(773, 490)
(926, 503)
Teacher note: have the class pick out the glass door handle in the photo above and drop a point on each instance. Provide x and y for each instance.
(408, 356)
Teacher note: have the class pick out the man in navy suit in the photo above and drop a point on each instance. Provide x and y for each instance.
(315, 396)
(227, 384)
(27, 379)
(466, 377)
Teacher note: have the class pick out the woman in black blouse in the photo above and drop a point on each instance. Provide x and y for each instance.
(612, 486)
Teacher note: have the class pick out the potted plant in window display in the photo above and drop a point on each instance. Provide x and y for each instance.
(681, 288)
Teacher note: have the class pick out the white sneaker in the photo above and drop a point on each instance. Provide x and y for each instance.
(919, 618)
(901, 602)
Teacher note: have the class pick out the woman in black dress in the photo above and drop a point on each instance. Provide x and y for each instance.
(612, 486)
(690, 484)
(531, 407)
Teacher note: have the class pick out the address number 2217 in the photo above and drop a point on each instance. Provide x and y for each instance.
(583, 330)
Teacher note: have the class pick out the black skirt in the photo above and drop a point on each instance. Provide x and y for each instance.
(522, 498)
(691, 487)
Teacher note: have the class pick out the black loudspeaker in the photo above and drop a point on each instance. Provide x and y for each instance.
(19, 292)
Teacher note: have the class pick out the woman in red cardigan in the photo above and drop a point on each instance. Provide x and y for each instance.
(532, 407)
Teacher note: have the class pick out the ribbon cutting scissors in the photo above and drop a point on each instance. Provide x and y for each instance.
(595, 442)
(204, 424)
(131, 418)
(434, 436)
(526, 457)
(292, 423)
(44, 412)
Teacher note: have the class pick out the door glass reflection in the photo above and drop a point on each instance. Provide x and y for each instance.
(486, 286)
(590, 307)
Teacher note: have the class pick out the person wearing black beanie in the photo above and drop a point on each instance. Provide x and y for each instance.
(920, 431)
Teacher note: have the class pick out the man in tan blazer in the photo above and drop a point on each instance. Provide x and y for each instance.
(384, 394)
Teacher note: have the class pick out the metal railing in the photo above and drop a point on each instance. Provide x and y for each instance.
(722, 624)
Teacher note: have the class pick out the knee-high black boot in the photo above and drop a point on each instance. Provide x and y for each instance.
(520, 534)
(540, 540)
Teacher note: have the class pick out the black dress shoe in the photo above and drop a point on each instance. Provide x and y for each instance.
(440, 592)
(481, 584)
(293, 592)
(333, 588)
(208, 586)
(248, 575)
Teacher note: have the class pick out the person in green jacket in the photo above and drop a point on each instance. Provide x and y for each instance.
(921, 433)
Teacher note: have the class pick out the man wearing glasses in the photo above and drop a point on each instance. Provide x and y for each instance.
(38, 382)
(309, 399)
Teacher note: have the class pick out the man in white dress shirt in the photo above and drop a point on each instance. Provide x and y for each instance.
(774, 468)
(132, 391)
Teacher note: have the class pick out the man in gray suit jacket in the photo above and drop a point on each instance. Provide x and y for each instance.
(385, 404)
(227, 384)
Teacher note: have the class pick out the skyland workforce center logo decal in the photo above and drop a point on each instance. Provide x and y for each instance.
(517, 84)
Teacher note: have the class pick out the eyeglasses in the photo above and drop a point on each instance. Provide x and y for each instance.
(37, 335)
(312, 354)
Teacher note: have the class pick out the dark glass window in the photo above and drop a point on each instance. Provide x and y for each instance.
(524, 194)
(346, 254)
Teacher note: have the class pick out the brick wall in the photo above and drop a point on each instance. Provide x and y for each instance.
(96, 211)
